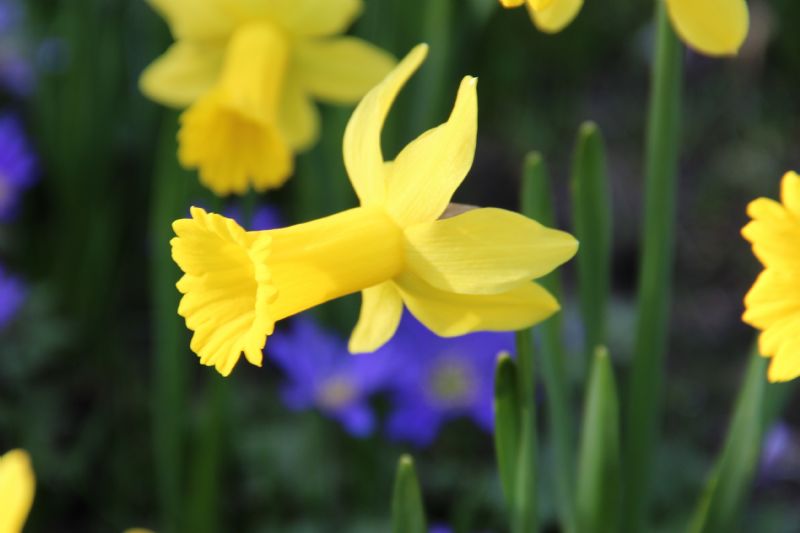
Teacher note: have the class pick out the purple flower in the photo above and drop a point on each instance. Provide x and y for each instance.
(441, 379)
(264, 217)
(17, 164)
(12, 294)
(321, 374)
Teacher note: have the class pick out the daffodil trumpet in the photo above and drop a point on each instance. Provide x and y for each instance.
(773, 303)
(712, 27)
(248, 74)
(457, 271)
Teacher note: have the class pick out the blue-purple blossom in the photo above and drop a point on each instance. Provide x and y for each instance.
(263, 218)
(12, 295)
(321, 374)
(17, 165)
(441, 379)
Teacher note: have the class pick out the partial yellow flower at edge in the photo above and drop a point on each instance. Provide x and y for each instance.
(17, 487)
(712, 27)
(468, 272)
(773, 303)
(249, 72)
(550, 16)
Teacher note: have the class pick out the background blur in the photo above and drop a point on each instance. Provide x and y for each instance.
(89, 241)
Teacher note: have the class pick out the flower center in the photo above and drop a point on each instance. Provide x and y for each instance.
(451, 382)
(336, 393)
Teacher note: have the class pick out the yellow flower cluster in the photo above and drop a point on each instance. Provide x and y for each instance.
(248, 71)
(773, 303)
(712, 27)
(457, 270)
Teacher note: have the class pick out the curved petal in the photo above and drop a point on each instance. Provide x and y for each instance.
(485, 251)
(713, 27)
(449, 314)
(785, 365)
(362, 137)
(774, 233)
(381, 310)
(311, 18)
(195, 19)
(429, 170)
(790, 192)
(298, 117)
(553, 16)
(511, 3)
(184, 73)
(340, 70)
(17, 486)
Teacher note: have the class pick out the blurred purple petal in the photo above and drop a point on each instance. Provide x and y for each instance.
(17, 165)
(12, 295)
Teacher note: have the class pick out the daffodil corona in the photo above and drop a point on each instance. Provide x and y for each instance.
(773, 303)
(461, 273)
(712, 27)
(17, 486)
(248, 71)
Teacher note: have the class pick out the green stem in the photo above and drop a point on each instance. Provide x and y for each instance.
(170, 363)
(524, 519)
(537, 203)
(643, 413)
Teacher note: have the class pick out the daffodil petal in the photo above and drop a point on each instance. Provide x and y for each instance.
(785, 365)
(340, 70)
(184, 73)
(305, 18)
(17, 486)
(790, 193)
(362, 137)
(485, 251)
(298, 117)
(381, 310)
(713, 27)
(511, 3)
(428, 171)
(195, 19)
(555, 15)
(774, 296)
(449, 314)
(774, 233)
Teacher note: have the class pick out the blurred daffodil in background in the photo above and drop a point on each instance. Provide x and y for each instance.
(467, 272)
(17, 486)
(773, 303)
(712, 27)
(249, 72)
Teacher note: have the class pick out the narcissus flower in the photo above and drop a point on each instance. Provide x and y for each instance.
(249, 72)
(467, 272)
(712, 27)
(17, 485)
(773, 303)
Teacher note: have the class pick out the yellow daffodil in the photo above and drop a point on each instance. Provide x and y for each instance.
(712, 27)
(461, 273)
(248, 71)
(17, 485)
(773, 303)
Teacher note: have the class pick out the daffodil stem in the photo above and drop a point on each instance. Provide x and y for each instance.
(170, 357)
(537, 203)
(661, 161)
(524, 506)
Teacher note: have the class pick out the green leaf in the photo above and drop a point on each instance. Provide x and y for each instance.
(524, 504)
(537, 203)
(408, 514)
(506, 425)
(592, 220)
(598, 499)
(721, 504)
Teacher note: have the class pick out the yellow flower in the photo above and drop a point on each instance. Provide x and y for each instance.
(17, 485)
(461, 273)
(248, 71)
(773, 303)
(712, 27)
